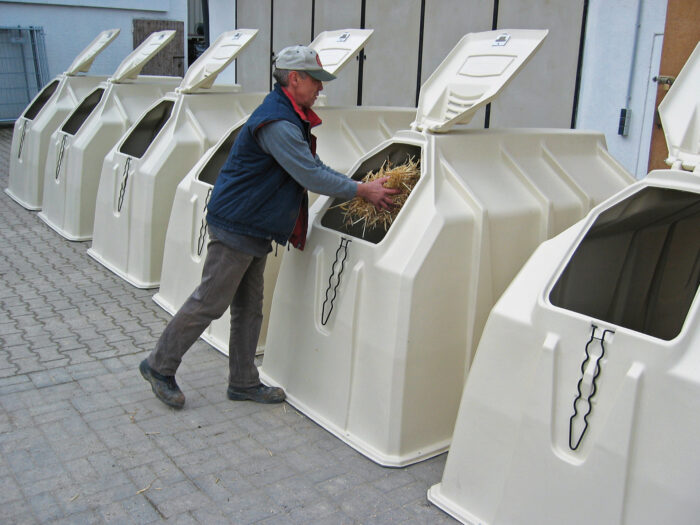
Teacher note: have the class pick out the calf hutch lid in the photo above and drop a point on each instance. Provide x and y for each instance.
(83, 62)
(472, 75)
(336, 48)
(203, 73)
(680, 115)
(132, 65)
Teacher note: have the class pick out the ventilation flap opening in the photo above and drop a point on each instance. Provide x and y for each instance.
(147, 129)
(40, 101)
(639, 264)
(82, 112)
(211, 169)
(335, 217)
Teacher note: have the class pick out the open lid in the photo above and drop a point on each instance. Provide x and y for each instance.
(132, 65)
(203, 73)
(86, 57)
(680, 115)
(471, 76)
(336, 48)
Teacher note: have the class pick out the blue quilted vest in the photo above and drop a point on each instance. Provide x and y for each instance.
(253, 195)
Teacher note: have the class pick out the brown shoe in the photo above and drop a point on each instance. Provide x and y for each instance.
(164, 387)
(258, 393)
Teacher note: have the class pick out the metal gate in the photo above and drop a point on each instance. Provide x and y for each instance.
(23, 69)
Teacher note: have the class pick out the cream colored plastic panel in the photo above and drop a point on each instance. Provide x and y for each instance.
(84, 60)
(132, 65)
(253, 66)
(539, 441)
(472, 75)
(379, 357)
(680, 115)
(203, 72)
(336, 48)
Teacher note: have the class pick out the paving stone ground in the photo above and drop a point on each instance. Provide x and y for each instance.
(83, 440)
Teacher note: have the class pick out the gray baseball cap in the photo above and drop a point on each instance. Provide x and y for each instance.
(302, 58)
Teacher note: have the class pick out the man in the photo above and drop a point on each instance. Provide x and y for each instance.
(260, 196)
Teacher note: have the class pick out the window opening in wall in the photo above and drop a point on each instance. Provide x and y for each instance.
(639, 264)
(40, 101)
(197, 28)
(82, 112)
(147, 129)
(334, 217)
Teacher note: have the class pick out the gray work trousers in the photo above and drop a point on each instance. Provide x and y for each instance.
(230, 279)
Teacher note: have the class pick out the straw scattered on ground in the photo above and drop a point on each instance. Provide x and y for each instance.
(402, 177)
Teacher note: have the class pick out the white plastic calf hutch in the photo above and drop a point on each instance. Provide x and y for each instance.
(345, 135)
(78, 147)
(372, 333)
(32, 131)
(141, 172)
(582, 403)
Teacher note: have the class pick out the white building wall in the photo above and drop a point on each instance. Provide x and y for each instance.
(329, 17)
(70, 25)
(542, 94)
(443, 30)
(392, 53)
(222, 18)
(194, 13)
(619, 63)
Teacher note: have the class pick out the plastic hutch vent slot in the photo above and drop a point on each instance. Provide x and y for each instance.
(82, 112)
(211, 169)
(147, 129)
(46, 93)
(639, 264)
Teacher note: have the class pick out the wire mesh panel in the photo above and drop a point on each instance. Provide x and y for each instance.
(23, 69)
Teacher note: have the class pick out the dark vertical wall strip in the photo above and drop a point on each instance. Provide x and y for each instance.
(205, 16)
(420, 49)
(581, 45)
(361, 56)
(313, 19)
(272, 32)
(235, 62)
(37, 67)
(494, 26)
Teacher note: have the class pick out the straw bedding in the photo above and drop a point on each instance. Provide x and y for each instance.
(402, 177)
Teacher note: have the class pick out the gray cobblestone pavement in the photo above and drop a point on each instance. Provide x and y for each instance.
(83, 440)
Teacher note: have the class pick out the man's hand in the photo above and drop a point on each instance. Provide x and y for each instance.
(376, 193)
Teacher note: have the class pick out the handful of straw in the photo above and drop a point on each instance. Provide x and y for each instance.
(402, 177)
